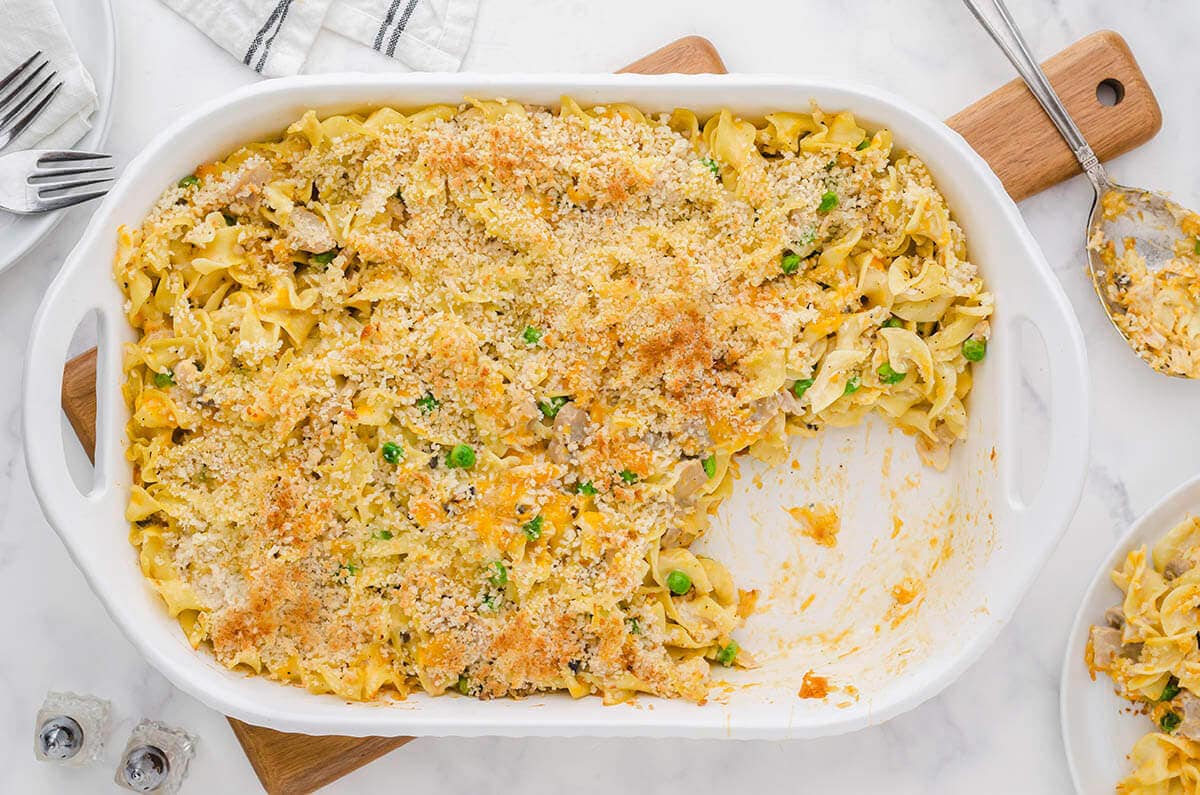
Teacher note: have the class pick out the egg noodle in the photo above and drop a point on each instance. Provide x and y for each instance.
(440, 400)
(1150, 646)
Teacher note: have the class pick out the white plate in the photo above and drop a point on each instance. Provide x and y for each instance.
(92, 29)
(1098, 730)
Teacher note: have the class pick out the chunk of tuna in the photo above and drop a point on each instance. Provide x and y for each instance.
(570, 430)
(1106, 645)
(571, 424)
(309, 232)
(1115, 617)
(1176, 568)
(1189, 727)
(251, 180)
(691, 478)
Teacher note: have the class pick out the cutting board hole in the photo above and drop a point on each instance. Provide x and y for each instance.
(1110, 92)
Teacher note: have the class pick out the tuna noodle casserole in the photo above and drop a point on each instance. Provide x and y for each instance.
(439, 401)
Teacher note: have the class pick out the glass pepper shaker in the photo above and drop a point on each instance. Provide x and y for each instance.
(156, 759)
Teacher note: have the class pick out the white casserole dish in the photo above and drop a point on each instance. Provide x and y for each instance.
(967, 535)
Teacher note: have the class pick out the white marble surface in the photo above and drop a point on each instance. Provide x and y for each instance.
(994, 731)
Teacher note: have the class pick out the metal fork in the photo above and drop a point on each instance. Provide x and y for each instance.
(20, 104)
(39, 180)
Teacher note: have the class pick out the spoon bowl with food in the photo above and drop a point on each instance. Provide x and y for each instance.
(1144, 258)
(1143, 249)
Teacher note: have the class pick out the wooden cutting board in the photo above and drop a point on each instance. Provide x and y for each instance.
(1007, 127)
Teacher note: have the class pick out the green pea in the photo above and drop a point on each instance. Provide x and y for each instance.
(852, 385)
(392, 452)
(1170, 690)
(635, 626)
(893, 322)
(679, 582)
(889, 376)
(712, 165)
(789, 263)
(828, 201)
(1170, 722)
(463, 686)
(974, 350)
(710, 466)
(461, 456)
(189, 181)
(801, 386)
(1197, 249)
(863, 144)
(164, 379)
(324, 258)
(629, 476)
(382, 535)
(533, 528)
(551, 406)
(727, 654)
(498, 573)
(531, 335)
(428, 403)
(585, 487)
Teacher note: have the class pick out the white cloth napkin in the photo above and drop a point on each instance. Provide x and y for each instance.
(276, 37)
(27, 26)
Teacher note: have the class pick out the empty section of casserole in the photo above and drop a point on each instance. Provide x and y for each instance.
(1149, 645)
(442, 400)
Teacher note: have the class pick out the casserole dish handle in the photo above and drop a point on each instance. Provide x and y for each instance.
(75, 292)
(1048, 311)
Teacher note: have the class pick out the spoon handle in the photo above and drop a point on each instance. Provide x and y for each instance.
(1015, 47)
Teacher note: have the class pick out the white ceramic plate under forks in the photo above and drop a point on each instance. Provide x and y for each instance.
(1098, 727)
(92, 29)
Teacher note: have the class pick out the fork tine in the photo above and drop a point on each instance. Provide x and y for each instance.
(48, 190)
(67, 155)
(11, 76)
(14, 93)
(45, 174)
(59, 202)
(27, 119)
(36, 189)
(12, 114)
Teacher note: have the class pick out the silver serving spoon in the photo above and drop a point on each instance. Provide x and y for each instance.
(1151, 222)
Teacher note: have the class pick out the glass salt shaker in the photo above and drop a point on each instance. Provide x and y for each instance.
(70, 728)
